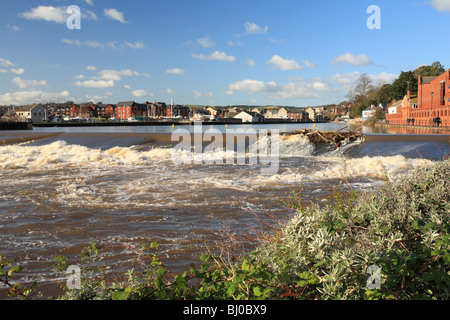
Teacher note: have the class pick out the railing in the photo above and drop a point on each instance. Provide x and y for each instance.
(436, 122)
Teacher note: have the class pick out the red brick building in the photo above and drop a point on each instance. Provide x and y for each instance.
(125, 110)
(81, 111)
(432, 106)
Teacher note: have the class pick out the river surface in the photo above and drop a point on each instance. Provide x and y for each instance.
(64, 188)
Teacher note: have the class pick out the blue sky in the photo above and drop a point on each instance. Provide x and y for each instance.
(210, 52)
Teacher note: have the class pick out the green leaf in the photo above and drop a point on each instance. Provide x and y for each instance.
(161, 271)
(159, 283)
(120, 295)
(257, 291)
(181, 282)
(154, 245)
(231, 290)
(14, 269)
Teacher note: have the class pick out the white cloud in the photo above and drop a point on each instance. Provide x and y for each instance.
(78, 77)
(95, 84)
(277, 41)
(94, 98)
(253, 28)
(89, 2)
(234, 43)
(127, 87)
(28, 83)
(206, 42)
(220, 56)
(94, 44)
(17, 71)
(72, 42)
(139, 93)
(354, 60)
(253, 86)
(47, 13)
(13, 28)
(54, 14)
(91, 68)
(117, 75)
(110, 44)
(320, 86)
(176, 71)
(6, 63)
(309, 64)
(136, 45)
(114, 14)
(441, 5)
(278, 62)
(198, 94)
(250, 62)
(28, 97)
(273, 90)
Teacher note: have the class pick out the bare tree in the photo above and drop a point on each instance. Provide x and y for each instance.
(363, 85)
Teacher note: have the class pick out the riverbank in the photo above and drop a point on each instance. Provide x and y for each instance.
(415, 128)
(10, 126)
(159, 123)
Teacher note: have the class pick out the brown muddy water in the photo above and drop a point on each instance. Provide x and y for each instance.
(62, 189)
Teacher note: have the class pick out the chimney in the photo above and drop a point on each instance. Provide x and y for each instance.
(409, 95)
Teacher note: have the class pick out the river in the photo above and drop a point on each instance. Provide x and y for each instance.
(64, 188)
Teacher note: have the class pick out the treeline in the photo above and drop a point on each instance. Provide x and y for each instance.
(366, 93)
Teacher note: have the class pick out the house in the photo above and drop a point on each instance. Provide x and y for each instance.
(311, 113)
(297, 114)
(101, 110)
(282, 113)
(369, 112)
(249, 116)
(126, 110)
(35, 113)
(157, 110)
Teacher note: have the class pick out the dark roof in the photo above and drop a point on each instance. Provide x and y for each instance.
(428, 79)
(126, 104)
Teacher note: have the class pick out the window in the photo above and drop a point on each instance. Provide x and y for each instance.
(442, 101)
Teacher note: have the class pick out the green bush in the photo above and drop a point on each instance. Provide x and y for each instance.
(401, 228)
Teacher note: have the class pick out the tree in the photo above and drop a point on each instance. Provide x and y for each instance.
(435, 69)
(383, 94)
(406, 80)
(364, 85)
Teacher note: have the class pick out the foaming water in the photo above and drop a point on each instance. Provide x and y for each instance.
(61, 192)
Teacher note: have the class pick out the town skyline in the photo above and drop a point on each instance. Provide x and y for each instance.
(293, 53)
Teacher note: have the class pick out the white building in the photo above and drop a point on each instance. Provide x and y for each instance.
(35, 113)
(369, 112)
(248, 116)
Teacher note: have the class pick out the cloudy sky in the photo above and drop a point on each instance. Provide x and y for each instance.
(217, 52)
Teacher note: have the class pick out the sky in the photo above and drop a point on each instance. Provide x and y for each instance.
(213, 52)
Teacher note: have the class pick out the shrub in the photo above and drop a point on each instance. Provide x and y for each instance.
(401, 228)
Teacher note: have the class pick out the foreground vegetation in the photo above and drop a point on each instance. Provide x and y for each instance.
(391, 243)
